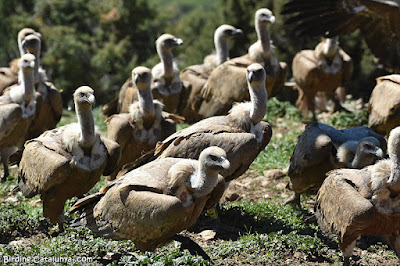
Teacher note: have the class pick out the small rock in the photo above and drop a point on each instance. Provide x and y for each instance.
(12, 199)
(281, 185)
(112, 256)
(298, 254)
(19, 243)
(274, 173)
(35, 203)
(207, 234)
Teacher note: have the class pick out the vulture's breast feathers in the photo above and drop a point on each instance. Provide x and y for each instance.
(147, 129)
(240, 117)
(28, 109)
(98, 154)
(166, 85)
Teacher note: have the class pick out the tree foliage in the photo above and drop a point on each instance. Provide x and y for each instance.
(95, 42)
(99, 42)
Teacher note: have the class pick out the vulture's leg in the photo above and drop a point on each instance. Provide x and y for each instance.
(5, 167)
(347, 252)
(394, 242)
(193, 247)
(294, 200)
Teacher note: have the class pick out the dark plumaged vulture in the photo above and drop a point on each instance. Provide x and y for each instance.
(17, 109)
(67, 161)
(194, 77)
(139, 130)
(351, 203)
(227, 83)
(153, 203)
(322, 148)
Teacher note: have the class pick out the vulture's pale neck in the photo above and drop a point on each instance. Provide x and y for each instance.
(36, 53)
(167, 60)
(146, 104)
(263, 36)
(21, 49)
(258, 98)
(37, 65)
(221, 48)
(36, 68)
(86, 122)
(205, 180)
(27, 84)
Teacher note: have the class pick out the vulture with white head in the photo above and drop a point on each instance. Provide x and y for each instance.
(351, 203)
(241, 134)
(322, 148)
(139, 130)
(166, 84)
(322, 70)
(9, 75)
(67, 161)
(227, 83)
(194, 77)
(17, 109)
(152, 204)
(48, 99)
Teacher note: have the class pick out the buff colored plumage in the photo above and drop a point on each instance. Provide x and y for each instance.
(151, 204)
(67, 161)
(227, 83)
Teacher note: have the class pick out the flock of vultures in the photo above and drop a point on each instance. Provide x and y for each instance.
(161, 180)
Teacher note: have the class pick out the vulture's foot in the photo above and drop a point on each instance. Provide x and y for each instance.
(346, 261)
(6, 174)
(193, 247)
(340, 108)
(60, 230)
(294, 200)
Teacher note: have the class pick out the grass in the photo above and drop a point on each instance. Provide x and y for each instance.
(269, 232)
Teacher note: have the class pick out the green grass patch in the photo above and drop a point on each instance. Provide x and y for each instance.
(345, 120)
